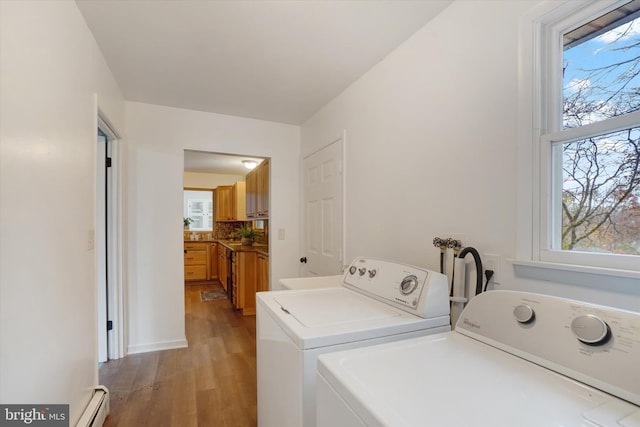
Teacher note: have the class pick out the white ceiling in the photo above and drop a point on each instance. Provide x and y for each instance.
(203, 162)
(272, 60)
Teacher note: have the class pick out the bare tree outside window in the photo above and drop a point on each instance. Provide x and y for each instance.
(601, 175)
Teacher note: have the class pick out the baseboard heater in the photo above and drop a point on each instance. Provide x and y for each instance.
(97, 409)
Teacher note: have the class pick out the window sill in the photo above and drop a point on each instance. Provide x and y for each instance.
(593, 277)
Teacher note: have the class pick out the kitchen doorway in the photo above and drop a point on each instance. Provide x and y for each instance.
(229, 174)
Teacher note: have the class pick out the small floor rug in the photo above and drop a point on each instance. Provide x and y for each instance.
(215, 295)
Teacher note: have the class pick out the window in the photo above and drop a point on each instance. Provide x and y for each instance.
(198, 206)
(589, 141)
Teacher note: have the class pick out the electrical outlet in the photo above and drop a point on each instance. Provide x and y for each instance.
(492, 262)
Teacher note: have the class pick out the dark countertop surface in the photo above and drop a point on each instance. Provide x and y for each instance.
(235, 245)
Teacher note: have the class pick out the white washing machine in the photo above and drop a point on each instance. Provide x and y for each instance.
(379, 301)
(514, 359)
(313, 282)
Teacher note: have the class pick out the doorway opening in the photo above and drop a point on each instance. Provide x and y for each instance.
(234, 250)
(109, 243)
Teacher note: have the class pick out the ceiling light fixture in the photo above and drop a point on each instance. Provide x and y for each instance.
(249, 164)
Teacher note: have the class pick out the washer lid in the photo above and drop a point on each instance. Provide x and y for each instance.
(333, 308)
(314, 282)
(315, 318)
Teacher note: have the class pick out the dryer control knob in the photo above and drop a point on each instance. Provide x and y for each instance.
(352, 270)
(590, 329)
(361, 271)
(524, 313)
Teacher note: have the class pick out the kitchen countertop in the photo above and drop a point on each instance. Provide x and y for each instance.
(235, 245)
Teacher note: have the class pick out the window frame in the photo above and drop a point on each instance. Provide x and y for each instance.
(549, 22)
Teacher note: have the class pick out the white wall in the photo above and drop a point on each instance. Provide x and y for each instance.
(432, 150)
(157, 138)
(50, 69)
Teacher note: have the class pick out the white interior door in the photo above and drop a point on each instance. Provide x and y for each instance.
(324, 210)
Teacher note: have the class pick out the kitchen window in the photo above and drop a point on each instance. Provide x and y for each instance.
(198, 206)
(586, 205)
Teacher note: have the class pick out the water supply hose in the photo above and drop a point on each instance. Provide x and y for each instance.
(457, 297)
(455, 245)
(440, 243)
(478, 262)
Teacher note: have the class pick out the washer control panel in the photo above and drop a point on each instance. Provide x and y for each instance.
(408, 285)
(413, 289)
(593, 344)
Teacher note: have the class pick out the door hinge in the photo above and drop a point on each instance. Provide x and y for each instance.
(109, 325)
(107, 162)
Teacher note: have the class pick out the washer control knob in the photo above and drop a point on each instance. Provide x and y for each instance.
(524, 313)
(408, 285)
(372, 273)
(352, 270)
(361, 271)
(590, 329)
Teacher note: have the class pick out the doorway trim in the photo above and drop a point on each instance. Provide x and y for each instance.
(116, 337)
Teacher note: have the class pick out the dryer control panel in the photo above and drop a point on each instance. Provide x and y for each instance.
(593, 344)
(413, 289)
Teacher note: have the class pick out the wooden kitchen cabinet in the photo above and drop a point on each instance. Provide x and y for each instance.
(222, 266)
(262, 200)
(262, 273)
(239, 201)
(251, 195)
(213, 261)
(257, 191)
(196, 261)
(234, 281)
(224, 203)
(244, 282)
(230, 201)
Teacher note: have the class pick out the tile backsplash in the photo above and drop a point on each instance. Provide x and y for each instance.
(224, 231)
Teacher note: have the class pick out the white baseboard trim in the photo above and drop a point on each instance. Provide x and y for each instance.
(157, 346)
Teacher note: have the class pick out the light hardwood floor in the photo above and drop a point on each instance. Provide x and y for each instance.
(210, 383)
